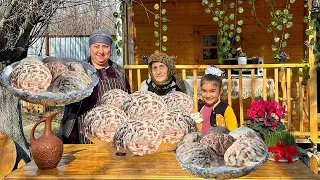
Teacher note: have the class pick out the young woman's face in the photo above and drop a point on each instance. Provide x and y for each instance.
(159, 71)
(210, 93)
(100, 54)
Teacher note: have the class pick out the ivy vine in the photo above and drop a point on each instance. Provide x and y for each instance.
(280, 22)
(229, 27)
(159, 23)
(120, 17)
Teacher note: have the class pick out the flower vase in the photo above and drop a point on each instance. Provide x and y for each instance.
(46, 150)
(281, 60)
(242, 60)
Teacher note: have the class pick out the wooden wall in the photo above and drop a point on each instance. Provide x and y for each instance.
(185, 15)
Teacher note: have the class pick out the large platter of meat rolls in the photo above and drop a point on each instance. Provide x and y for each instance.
(221, 154)
(139, 123)
(50, 81)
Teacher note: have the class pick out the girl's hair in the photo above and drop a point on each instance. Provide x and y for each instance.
(214, 79)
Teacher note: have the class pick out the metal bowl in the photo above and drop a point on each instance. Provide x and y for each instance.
(49, 98)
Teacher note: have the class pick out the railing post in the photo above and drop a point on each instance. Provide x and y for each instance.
(312, 88)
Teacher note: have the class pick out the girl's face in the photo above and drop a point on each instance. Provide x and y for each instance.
(210, 93)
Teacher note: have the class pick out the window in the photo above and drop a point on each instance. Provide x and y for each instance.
(207, 44)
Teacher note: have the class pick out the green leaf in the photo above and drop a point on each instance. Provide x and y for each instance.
(292, 1)
(114, 37)
(163, 11)
(273, 47)
(269, 29)
(231, 16)
(115, 14)
(273, 23)
(156, 24)
(232, 5)
(156, 33)
(226, 19)
(156, 51)
(164, 27)
(156, 16)
(220, 24)
(240, 1)
(284, 20)
(156, 6)
(218, 2)
(240, 22)
(284, 44)
(205, 2)
(207, 11)
(238, 30)
(300, 73)
(279, 27)
(118, 52)
(286, 36)
(164, 38)
(230, 34)
(164, 19)
(164, 0)
(215, 19)
(120, 43)
(240, 10)
(231, 26)
(237, 38)
(276, 39)
(278, 12)
(286, 11)
(309, 32)
(290, 16)
(289, 24)
(157, 43)
(211, 4)
(164, 48)
(305, 67)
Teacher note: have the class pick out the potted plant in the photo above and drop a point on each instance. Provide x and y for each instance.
(242, 58)
(263, 117)
(282, 147)
(281, 58)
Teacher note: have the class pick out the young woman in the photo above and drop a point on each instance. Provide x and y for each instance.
(215, 112)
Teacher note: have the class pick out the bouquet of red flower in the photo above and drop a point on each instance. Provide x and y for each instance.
(263, 117)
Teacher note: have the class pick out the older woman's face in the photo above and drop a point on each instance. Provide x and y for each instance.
(100, 54)
(159, 71)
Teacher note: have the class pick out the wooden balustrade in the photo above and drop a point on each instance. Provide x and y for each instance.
(283, 79)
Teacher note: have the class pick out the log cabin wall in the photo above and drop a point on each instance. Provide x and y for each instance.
(186, 17)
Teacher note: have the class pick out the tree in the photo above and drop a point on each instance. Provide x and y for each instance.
(21, 23)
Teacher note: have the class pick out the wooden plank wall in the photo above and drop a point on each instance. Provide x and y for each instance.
(184, 15)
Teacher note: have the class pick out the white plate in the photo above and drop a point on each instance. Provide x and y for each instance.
(294, 158)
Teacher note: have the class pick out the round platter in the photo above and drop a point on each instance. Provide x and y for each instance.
(49, 98)
(223, 171)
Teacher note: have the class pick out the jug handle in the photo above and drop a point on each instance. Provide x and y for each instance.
(50, 116)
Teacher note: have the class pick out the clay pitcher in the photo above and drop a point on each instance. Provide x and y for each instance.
(46, 150)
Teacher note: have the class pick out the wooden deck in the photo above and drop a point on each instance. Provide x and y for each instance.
(93, 162)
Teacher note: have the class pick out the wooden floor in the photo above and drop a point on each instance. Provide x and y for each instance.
(93, 162)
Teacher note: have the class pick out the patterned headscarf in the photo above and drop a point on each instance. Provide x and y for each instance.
(170, 63)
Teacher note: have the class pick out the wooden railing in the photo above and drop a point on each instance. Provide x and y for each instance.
(286, 82)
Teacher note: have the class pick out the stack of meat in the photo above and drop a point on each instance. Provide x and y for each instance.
(146, 123)
(240, 148)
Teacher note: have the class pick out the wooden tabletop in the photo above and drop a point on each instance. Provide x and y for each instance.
(92, 162)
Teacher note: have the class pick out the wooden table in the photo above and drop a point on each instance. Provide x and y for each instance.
(93, 162)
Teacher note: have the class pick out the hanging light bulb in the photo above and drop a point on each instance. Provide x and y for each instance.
(315, 6)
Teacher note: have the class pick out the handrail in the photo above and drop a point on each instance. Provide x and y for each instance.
(247, 66)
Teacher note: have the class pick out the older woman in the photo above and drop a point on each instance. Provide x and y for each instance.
(164, 78)
(111, 76)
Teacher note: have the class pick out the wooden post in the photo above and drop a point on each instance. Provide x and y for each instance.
(241, 98)
(312, 89)
(47, 44)
(195, 89)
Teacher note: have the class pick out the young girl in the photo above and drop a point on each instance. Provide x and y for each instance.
(215, 112)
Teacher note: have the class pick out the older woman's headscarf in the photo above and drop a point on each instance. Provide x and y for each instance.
(170, 63)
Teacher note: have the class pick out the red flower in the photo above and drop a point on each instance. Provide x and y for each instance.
(274, 124)
(261, 113)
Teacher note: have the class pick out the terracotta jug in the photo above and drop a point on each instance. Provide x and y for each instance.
(46, 150)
